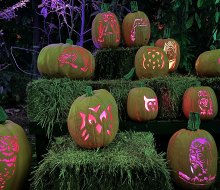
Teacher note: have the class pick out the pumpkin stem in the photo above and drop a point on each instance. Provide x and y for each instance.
(3, 116)
(69, 41)
(142, 83)
(105, 7)
(134, 6)
(194, 121)
(130, 74)
(166, 33)
(89, 91)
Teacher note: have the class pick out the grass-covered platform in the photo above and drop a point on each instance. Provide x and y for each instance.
(49, 100)
(130, 162)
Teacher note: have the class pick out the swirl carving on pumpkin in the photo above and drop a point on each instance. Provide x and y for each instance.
(107, 27)
(9, 149)
(205, 103)
(151, 104)
(138, 22)
(70, 55)
(153, 59)
(90, 119)
(199, 157)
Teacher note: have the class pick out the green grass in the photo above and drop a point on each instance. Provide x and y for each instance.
(129, 162)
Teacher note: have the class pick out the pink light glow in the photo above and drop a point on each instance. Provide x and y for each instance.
(199, 163)
(205, 103)
(93, 121)
(139, 22)
(9, 149)
(109, 27)
(151, 104)
(70, 55)
(218, 60)
(154, 58)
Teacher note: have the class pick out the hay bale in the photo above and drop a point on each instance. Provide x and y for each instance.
(129, 162)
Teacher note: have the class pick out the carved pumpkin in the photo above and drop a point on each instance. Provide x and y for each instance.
(66, 60)
(151, 62)
(201, 99)
(106, 30)
(136, 28)
(172, 49)
(208, 63)
(15, 154)
(93, 119)
(192, 156)
(142, 104)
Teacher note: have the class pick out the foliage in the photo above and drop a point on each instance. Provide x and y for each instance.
(129, 162)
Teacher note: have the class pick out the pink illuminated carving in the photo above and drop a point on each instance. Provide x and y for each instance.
(218, 60)
(70, 55)
(139, 22)
(108, 26)
(92, 121)
(205, 103)
(9, 149)
(151, 104)
(171, 50)
(199, 157)
(153, 59)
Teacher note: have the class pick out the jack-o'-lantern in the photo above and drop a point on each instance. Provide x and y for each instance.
(172, 49)
(15, 154)
(201, 99)
(142, 104)
(66, 60)
(192, 156)
(208, 63)
(151, 62)
(106, 29)
(136, 27)
(93, 119)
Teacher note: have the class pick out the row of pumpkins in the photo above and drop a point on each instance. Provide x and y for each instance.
(93, 122)
(72, 61)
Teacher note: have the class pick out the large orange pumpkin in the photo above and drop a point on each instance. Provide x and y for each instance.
(93, 119)
(66, 60)
(172, 49)
(208, 63)
(192, 156)
(106, 30)
(201, 99)
(151, 62)
(136, 28)
(142, 104)
(15, 154)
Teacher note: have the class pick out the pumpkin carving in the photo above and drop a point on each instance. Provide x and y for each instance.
(66, 60)
(151, 62)
(201, 99)
(136, 27)
(106, 29)
(15, 154)
(208, 63)
(192, 156)
(93, 119)
(172, 49)
(142, 104)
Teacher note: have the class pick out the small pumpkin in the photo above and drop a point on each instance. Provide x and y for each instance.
(192, 156)
(201, 99)
(151, 62)
(66, 60)
(142, 104)
(15, 154)
(208, 64)
(106, 29)
(172, 49)
(93, 119)
(136, 27)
